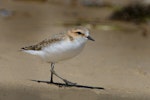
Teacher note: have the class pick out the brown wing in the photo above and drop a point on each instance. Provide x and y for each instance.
(46, 42)
(42, 44)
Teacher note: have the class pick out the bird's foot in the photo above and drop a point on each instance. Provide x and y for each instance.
(69, 83)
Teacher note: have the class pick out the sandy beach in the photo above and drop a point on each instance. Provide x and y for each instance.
(119, 60)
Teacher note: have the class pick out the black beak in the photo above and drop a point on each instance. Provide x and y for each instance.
(90, 38)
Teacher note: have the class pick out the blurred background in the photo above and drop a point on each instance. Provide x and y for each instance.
(119, 59)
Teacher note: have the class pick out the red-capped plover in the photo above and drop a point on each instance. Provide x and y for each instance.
(60, 47)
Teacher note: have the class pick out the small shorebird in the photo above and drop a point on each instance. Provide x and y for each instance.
(60, 47)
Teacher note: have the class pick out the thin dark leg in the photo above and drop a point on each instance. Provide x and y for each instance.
(54, 73)
(52, 68)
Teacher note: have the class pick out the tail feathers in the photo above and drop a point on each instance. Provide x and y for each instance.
(33, 47)
(28, 48)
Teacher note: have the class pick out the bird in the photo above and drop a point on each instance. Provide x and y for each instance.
(60, 47)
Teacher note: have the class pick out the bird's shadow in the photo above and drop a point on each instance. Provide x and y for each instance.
(68, 85)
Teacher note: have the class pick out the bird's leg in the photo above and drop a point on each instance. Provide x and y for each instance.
(52, 68)
(53, 72)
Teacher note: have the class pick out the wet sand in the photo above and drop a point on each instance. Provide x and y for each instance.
(118, 60)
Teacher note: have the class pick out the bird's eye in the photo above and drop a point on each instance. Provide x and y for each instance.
(79, 32)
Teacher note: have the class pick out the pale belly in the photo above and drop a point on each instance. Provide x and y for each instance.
(62, 51)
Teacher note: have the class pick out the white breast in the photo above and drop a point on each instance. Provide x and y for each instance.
(63, 50)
